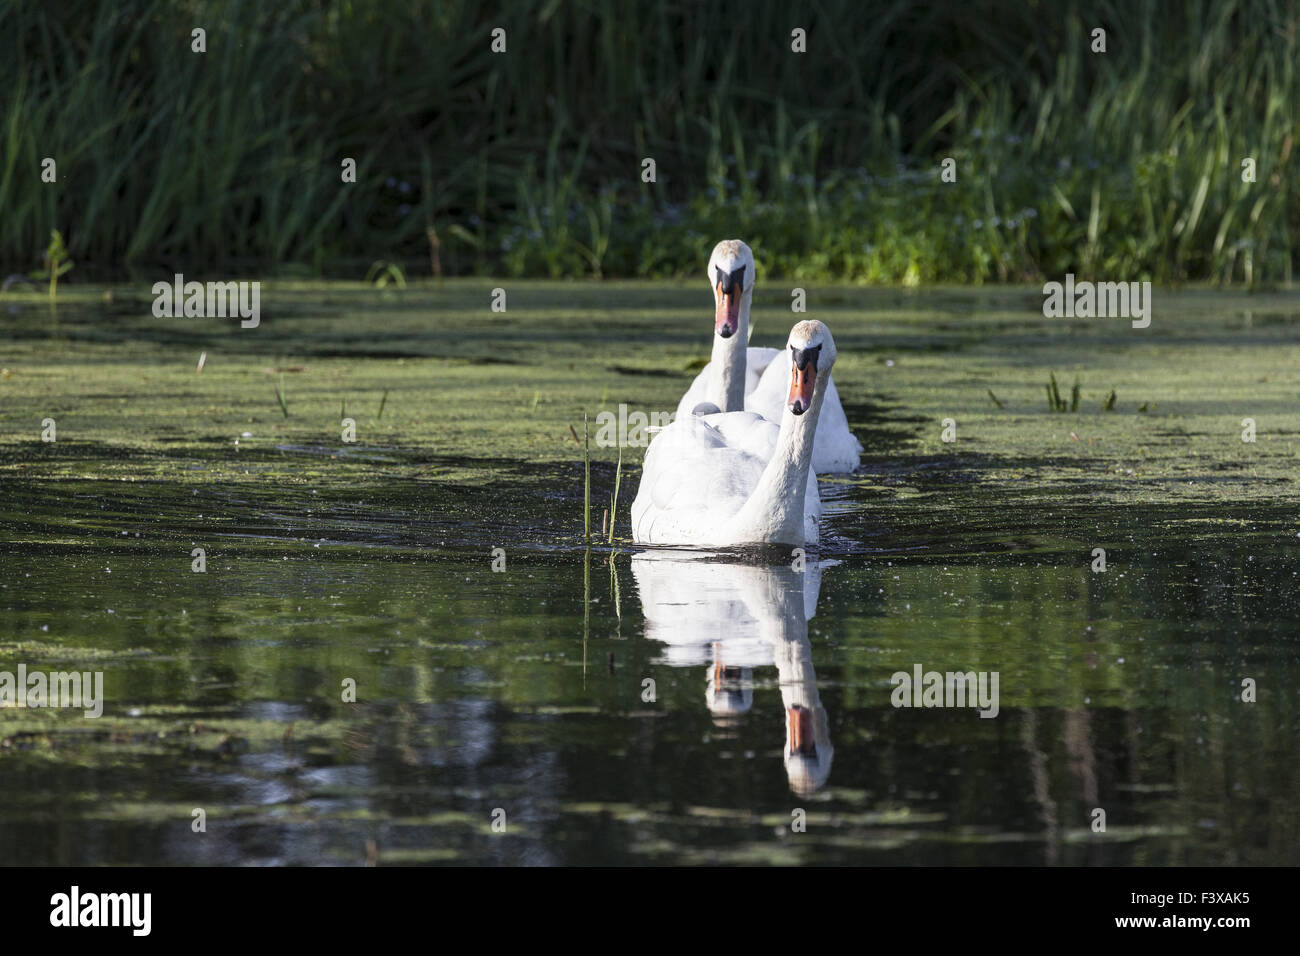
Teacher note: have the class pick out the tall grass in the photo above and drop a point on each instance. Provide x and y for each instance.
(1119, 164)
(613, 498)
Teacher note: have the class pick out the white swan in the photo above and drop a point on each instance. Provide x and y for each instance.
(730, 479)
(736, 618)
(753, 379)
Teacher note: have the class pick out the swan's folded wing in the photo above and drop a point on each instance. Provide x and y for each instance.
(692, 481)
(834, 424)
(757, 436)
(747, 431)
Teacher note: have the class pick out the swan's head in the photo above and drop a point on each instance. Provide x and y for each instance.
(731, 274)
(812, 353)
(730, 690)
(808, 751)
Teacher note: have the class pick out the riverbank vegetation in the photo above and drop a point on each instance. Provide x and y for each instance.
(1126, 163)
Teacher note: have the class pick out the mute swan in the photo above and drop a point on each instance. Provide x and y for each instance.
(753, 379)
(734, 619)
(734, 478)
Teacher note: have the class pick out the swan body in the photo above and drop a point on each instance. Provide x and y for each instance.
(698, 474)
(739, 378)
(728, 479)
(836, 450)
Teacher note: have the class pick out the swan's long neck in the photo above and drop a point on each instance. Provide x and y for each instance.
(794, 666)
(777, 602)
(807, 769)
(727, 389)
(775, 511)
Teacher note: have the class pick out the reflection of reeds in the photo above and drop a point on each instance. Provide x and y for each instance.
(613, 586)
(586, 482)
(586, 608)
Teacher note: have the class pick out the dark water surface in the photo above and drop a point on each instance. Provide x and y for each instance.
(480, 690)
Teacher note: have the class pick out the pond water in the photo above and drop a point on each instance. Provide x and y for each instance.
(551, 703)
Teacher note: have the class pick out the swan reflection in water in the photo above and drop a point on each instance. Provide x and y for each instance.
(733, 618)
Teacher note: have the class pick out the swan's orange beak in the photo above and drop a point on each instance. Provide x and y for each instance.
(726, 320)
(799, 724)
(802, 382)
